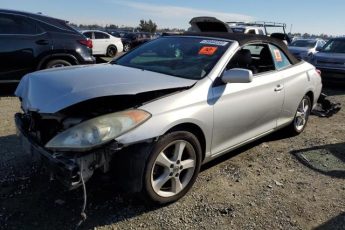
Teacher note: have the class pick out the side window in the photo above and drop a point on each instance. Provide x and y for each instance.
(88, 35)
(106, 36)
(252, 31)
(280, 59)
(17, 25)
(261, 32)
(99, 35)
(254, 57)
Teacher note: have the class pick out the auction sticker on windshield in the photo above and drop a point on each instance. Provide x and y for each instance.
(208, 50)
(214, 42)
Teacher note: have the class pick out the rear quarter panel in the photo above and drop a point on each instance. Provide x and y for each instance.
(298, 81)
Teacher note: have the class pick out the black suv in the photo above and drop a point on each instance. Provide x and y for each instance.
(30, 42)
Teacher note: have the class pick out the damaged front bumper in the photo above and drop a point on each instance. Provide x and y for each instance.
(64, 166)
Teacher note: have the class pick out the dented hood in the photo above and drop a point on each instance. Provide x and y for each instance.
(52, 90)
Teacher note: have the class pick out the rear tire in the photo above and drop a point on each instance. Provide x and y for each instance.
(172, 167)
(111, 51)
(57, 63)
(301, 118)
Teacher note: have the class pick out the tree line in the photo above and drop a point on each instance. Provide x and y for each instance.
(144, 26)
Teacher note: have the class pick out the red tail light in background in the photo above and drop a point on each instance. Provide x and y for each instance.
(87, 43)
(318, 72)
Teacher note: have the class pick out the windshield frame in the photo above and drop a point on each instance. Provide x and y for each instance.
(227, 46)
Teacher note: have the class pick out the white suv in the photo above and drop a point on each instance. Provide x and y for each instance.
(104, 43)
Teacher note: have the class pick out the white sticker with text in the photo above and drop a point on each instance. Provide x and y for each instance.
(214, 42)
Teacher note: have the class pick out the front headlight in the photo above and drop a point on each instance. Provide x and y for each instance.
(98, 130)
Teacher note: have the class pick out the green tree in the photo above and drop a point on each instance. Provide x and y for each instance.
(112, 26)
(147, 26)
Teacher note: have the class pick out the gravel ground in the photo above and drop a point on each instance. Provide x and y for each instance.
(278, 182)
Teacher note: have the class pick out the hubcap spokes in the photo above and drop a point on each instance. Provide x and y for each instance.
(302, 115)
(57, 65)
(173, 168)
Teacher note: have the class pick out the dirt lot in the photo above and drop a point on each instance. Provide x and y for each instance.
(276, 183)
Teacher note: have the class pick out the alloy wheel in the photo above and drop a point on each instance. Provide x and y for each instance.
(173, 168)
(302, 114)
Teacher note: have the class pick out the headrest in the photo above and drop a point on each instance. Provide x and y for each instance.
(265, 56)
(243, 57)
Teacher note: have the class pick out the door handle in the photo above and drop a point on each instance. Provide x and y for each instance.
(279, 88)
(42, 42)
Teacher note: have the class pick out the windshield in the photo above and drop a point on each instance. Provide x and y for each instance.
(304, 43)
(334, 46)
(186, 57)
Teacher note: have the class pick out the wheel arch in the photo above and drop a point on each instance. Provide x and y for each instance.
(67, 57)
(194, 129)
(111, 45)
(310, 94)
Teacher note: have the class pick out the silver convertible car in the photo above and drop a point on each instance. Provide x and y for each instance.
(153, 116)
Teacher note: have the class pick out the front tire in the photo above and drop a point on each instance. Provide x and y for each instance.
(172, 167)
(126, 47)
(301, 117)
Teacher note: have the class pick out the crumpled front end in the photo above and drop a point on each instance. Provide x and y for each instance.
(68, 167)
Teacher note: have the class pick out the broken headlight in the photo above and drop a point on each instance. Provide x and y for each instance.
(97, 131)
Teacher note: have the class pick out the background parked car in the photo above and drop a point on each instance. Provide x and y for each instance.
(104, 43)
(304, 48)
(331, 60)
(132, 40)
(30, 42)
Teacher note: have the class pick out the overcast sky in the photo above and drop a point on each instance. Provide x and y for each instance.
(311, 16)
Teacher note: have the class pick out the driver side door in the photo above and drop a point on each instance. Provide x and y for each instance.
(244, 111)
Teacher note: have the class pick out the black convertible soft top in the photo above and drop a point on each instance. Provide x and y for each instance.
(244, 39)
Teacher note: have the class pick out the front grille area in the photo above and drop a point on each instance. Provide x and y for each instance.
(39, 128)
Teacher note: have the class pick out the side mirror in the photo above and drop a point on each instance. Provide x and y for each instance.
(318, 49)
(237, 75)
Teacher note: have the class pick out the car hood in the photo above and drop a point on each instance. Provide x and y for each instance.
(299, 49)
(50, 91)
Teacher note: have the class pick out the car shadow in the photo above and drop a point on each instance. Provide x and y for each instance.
(278, 135)
(336, 223)
(7, 90)
(326, 159)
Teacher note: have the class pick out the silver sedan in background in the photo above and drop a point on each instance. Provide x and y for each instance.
(156, 114)
(305, 48)
(331, 60)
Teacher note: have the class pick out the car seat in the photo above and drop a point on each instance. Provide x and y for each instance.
(242, 59)
(266, 61)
